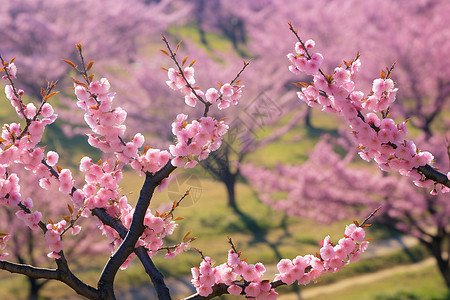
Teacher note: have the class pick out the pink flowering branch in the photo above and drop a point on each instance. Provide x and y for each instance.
(183, 75)
(381, 140)
(237, 277)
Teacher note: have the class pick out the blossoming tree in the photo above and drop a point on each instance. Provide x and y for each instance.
(137, 231)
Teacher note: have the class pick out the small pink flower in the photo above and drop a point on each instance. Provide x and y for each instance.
(233, 258)
(211, 95)
(30, 110)
(309, 44)
(45, 183)
(299, 48)
(358, 235)
(327, 252)
(28, 203)
(234, 290)
(189, 74)
(204, 290)
(190, 100)
(227, 90)
(100, 87)
(52, 158)
(191, 164)
(76, 229)
(252, 290)
(47, 110)
(285, 266)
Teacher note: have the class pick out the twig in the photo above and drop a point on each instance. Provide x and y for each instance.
(370, 216)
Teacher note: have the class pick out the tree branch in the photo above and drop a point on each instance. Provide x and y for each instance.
(62, 274)
(105, 283)
(150, 268)
(433, 174)
(28, 270)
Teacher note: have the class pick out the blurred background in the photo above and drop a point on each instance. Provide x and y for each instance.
(286, 175)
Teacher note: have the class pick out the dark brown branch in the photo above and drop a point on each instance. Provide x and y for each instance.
(218, 290)
(370, 216)
(155, 275)
(150, 268)
(430, 173)
(105, 283)
(28, 270)
(62, 274)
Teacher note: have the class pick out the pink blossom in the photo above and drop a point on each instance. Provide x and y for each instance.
(52, 158)
(250, 273)
(100, 87)
(76, 229)
(299, 48)
(252, 290)
(190, 100)
(189, 74)
(358, 235)
(45, 183)
(211, 95)
(191, 164)
(204, 290)
(28, 203)
(47, 110)
(30, 110)
(327, 252)
(233, 258)
(309, 44)
(234, 290)
(227, 90)
(285, 266)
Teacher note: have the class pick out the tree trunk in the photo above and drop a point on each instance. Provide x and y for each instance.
(435, 248)
(308, 123)
(34, 289)
(230, 183)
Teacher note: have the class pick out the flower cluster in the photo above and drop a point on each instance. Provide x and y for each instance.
(303, 62)
(156, 226)
(32, 219)
(12, 70)
(303, 269)
(206, 276)
(18, 146)
(107, 124)
(196, 139)
(104, 121)
(53, 238)
(102, 183)
(244, 278)
(379, 139)
(184, 81)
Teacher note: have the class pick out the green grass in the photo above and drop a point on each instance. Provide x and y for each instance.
(215, 43)
(424, 285)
